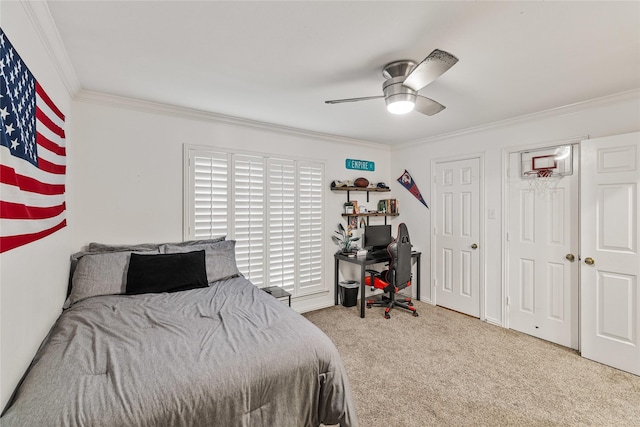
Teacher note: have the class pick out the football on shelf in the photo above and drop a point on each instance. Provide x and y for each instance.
(361, 182)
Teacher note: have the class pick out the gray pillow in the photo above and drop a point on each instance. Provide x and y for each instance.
(199, 242)
(102, 247)
(220, 257)
(100, 274)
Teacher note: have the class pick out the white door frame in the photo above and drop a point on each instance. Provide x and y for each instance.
(481, 219)
(506, 152)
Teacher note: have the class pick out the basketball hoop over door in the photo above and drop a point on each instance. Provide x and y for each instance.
(543, 168)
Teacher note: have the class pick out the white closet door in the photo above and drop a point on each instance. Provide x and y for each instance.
(543, 261)
(610, 268)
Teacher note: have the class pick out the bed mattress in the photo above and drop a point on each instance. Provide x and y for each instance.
(225, 355)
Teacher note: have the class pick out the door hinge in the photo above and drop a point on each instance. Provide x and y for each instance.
(508, 301)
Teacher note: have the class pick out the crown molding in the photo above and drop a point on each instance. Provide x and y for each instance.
(44, 26)
(116, 101)
(553, 112)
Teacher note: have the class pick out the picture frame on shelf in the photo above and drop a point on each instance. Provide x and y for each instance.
(353, 222)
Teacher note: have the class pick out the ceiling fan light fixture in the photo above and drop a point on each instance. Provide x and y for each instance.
(403, 81)
(401, 103)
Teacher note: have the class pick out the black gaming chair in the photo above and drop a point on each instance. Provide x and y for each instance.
(396, 277)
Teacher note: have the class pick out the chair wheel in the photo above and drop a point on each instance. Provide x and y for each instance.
(415, 314)
(386, 316)
(368, 305)
(410, 304)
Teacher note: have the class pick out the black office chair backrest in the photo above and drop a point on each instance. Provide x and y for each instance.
(399, 274)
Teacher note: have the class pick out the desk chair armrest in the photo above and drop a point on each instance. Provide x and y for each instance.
(373, 274)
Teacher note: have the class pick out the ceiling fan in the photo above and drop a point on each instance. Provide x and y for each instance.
(405, 79)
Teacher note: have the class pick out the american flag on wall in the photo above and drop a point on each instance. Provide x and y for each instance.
(32, 155)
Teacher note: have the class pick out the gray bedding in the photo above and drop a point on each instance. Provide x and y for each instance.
(226, 355)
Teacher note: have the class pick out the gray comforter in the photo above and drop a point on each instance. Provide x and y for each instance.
(227, 355)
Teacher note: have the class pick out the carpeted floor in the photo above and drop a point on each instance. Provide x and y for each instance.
(445, 368)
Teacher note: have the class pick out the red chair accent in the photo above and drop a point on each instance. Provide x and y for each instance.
(396, 278)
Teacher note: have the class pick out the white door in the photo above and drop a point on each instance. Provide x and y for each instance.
(457, 232)
(542, 247)
(610, 265)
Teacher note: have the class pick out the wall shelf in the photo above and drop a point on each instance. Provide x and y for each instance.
(370, 214)
(368, 190)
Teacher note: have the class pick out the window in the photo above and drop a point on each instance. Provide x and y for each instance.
(272, 207)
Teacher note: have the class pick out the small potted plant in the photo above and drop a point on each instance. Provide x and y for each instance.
(344, 239)
(348, 207)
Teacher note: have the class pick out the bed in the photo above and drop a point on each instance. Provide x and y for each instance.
(215, 353)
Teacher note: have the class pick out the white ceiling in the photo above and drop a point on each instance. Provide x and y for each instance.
(277, 62)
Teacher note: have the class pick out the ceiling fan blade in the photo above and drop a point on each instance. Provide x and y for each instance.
(339, 101)
(427, 106)
(432, 67)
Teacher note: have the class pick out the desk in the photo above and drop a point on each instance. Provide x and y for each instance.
(363, 262)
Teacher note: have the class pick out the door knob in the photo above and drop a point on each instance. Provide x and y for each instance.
(570, 257)
(474, 246)
(589, 261)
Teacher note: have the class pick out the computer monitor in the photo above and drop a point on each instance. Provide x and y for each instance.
(377, 236)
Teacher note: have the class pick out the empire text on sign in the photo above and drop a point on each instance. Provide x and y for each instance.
(362, 165)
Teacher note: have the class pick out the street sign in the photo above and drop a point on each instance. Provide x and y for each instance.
(361, 165)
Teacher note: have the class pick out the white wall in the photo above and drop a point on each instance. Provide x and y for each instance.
(33, 278)
(128, 185)
(607, 116)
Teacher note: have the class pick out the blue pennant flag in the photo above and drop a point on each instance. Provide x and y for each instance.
(407, 182)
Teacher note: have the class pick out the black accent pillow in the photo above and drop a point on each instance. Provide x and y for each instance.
(166, 272)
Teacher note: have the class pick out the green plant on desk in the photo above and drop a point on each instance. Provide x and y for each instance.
(344, 239)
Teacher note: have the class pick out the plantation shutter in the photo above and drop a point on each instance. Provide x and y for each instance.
(249, 216)
(272, 208)
(310, 231)
(209, 198)
(282, 224)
